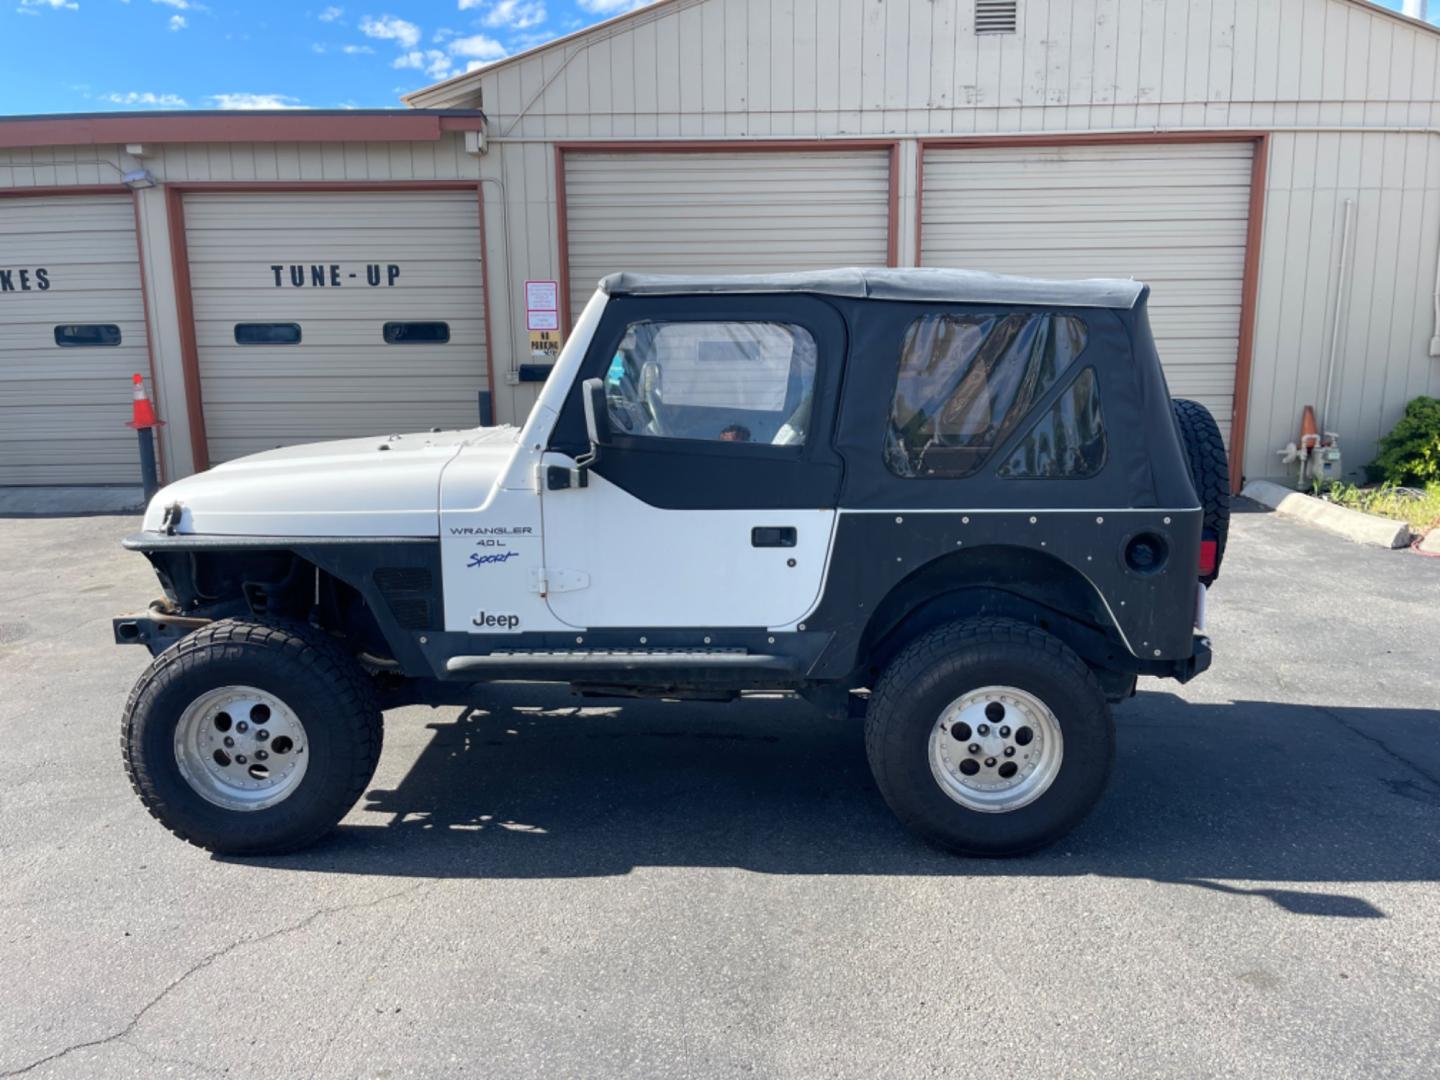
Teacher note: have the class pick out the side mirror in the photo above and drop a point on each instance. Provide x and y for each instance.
(597, 419)
(597, 411)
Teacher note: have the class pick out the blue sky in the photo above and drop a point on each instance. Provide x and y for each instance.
(116, 55)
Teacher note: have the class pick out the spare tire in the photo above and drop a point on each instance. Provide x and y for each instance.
(1209, 471)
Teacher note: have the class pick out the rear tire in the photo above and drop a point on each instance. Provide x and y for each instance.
(940, 688)
(1209, 471)
(228, 783)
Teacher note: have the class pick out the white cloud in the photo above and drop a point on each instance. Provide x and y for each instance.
(529, 41)
(477, 47)
(444, 34)
(183, 5)
(55, 5)
(177, 22)
(330, 14)
(356, 50)
(433, 62)
(611, 7)
(516, 14)
(389, 28)
(147, 99)
(255, 101)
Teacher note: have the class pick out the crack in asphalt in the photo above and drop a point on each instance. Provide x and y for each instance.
(1376, 741)
(200, 965)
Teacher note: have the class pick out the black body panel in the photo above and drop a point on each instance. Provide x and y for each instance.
(1071, 562)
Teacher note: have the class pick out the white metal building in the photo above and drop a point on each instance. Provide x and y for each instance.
(314, 275)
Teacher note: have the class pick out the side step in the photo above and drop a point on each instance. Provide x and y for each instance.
(619, 660)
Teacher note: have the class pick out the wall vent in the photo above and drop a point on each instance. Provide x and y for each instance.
(996, 16)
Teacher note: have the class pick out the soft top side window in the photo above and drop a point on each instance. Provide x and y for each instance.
(1067, 441)
(744, 382)
(965, 382)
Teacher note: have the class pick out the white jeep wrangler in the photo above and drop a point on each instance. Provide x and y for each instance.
(963, 503)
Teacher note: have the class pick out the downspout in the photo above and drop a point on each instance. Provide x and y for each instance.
(1339, 309)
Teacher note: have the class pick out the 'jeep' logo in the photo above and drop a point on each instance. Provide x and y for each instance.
(486, 621)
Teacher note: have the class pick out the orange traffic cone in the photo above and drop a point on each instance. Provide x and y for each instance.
(1309, 431)
(144, 411)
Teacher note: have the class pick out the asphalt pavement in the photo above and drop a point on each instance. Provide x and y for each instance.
(547, 888)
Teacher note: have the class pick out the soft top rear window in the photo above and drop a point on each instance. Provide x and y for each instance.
(966, 381)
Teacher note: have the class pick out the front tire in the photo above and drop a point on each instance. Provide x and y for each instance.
(933, 734)
(251, 737)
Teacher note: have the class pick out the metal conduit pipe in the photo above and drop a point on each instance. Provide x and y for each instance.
(1339, 309)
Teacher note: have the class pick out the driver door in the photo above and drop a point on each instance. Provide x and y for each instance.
(713, 503)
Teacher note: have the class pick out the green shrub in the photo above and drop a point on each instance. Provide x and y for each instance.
(1411, 452)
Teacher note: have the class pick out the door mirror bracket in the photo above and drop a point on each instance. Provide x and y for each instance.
(597, 420)
(597, 429)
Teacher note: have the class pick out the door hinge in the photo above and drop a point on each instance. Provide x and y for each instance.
(545, 580)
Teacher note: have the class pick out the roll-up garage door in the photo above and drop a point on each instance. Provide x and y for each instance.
(327, 315)
(1171, 215)
(72, 332)
(733, 212)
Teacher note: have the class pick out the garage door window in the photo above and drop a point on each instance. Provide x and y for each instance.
(416, 333)
(267, 333)
(966, 381)
(1068, 441)
(742, 382)
(86, 335)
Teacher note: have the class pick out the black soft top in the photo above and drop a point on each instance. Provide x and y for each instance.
(930, 284)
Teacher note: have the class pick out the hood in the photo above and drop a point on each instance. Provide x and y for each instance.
(386, 485)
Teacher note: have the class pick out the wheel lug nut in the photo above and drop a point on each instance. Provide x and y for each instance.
(1009, 751)
(974, 748)
(262, 735)
(229, 741)
(989, 762)
(1004, 733)
(242, 727)
(241, 759)
(983, 729)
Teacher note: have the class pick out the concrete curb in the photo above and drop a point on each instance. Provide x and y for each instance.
(1353, 525)
(70, 501)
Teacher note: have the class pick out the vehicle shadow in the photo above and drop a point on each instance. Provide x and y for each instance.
(544, 784)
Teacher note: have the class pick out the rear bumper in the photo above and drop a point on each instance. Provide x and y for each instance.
(1187, 669)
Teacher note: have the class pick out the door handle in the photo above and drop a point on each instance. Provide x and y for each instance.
(782, 536)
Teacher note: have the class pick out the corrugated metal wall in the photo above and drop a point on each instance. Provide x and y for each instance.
(723, 213)
(338, 267)
(788, 68)
(1173, 215)
(67, 261)
(781, 68)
